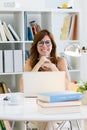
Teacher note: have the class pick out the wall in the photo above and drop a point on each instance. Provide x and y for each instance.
(83, 38)
(31, 4)
(83, 19)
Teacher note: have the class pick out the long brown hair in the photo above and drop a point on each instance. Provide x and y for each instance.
(34, 55)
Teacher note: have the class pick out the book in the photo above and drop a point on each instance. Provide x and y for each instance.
(3, 36)
(33, 26)
(0, 37)
(1, 61)
(60, 96)
(2, 125)
(7, 32)
(59, 109)
(13, 32)
(7, 125)
(75, 30)
(25, 26)
(56, 104)
(71, 28)
(30, 33)
(3, 87)
(66, 28)
(26, 55)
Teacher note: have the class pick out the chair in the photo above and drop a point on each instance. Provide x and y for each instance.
(59, 126)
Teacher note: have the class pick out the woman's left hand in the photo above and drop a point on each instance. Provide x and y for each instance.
(48, 66)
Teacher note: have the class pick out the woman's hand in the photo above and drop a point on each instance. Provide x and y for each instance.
(49, 66)
(41, 61)
(44, 59)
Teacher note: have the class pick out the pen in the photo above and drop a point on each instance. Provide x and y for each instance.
(9, 90)
(47, 58)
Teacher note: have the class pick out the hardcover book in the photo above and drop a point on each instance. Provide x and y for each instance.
(59, 109)
(2, 125)
(72, 26)
(30, 33)
(25, 26)
(7, 125)
(7, 32)
(13, 32)
(3, 36)
(56, 104)
(3, 87)
(66, 28)
(1, 61)
(60, 96)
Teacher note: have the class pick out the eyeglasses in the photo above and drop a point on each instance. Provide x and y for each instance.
(41, 43)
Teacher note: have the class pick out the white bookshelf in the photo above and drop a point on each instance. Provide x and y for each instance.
(15, 18)
(47, 17)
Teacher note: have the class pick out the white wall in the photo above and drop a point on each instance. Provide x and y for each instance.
(31, 4)
(83, 37)
(83, 5)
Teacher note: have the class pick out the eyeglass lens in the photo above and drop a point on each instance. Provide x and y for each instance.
(47, 42)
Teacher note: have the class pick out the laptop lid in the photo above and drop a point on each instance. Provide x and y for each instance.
(36, 82)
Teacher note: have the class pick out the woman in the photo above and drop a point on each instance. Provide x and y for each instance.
(43, 56)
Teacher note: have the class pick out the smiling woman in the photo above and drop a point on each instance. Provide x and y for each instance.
(43, 58)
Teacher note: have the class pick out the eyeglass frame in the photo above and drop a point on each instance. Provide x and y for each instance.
(47, 43)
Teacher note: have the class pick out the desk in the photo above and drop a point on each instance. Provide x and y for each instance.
(27, 111)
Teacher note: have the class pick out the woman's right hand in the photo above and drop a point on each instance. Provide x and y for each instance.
(43, 60)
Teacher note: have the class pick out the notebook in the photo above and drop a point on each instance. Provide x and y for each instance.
(36, 82)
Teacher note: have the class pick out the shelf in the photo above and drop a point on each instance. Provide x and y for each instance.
(74, 70)
(48, 18)
(13, 73)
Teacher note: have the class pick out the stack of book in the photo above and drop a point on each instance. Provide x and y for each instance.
(67, 30)
(7, 32)
(33, 28)
(59, 102)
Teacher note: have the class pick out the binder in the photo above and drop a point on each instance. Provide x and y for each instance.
(8, 61)
(18, 66)
(1, 61)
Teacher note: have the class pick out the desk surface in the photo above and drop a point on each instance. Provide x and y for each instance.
(27, 111)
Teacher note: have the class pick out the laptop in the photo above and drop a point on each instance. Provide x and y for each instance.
(36, 82)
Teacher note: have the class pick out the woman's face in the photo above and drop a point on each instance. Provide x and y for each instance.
(44, 46)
